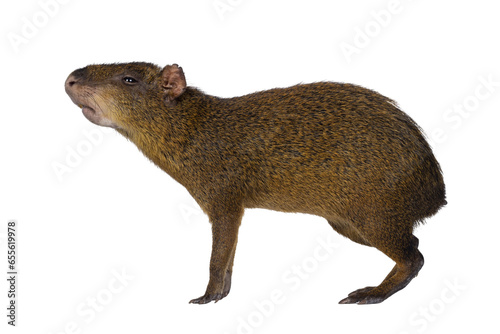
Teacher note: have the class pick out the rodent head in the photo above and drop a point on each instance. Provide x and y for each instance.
(121, 95)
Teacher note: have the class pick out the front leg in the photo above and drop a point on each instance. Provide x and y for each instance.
(224, 239)
(229, 273)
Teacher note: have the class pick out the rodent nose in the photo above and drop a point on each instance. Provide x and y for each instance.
(74, 77)
(70, 81)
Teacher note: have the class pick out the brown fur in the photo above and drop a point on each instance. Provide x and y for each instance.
(339, 151)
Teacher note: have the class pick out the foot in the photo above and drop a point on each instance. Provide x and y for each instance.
(208, 297)
(363, 296)
(398, 278)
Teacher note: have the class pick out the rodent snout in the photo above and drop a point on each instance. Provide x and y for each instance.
(73, 78)
(87, 98)
(70, 81)
(73, 91)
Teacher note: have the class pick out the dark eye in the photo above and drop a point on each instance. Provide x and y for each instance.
(130, 80)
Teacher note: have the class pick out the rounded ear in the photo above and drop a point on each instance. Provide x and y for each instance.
(173, 82)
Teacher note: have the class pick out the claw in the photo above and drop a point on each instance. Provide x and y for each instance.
(363, 297)
(207, 298)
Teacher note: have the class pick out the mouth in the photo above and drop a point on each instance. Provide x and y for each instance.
(88, 111)
(91, 114)
(96, 116)
(87, 98)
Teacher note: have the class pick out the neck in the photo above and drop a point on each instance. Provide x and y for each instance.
(165, 138)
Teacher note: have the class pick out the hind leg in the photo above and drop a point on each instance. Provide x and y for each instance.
(403, 249)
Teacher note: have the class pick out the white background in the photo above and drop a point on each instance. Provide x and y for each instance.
(115, 211)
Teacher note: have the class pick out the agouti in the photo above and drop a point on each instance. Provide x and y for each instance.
(336, 150)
